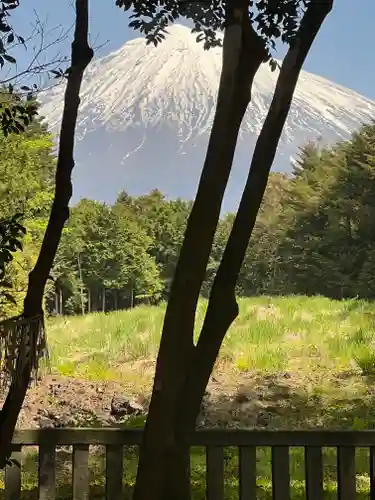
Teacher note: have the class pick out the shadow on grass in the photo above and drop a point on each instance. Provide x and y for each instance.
(273, 402)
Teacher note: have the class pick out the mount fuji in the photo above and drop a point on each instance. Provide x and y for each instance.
(146, 113)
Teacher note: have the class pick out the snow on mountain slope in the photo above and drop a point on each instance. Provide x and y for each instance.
(146, 114)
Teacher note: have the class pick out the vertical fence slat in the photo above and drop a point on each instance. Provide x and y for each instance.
(215, 473)
(280, 473)
(314, 473)
(346, 473)
(114, 471)
(247, 472)
(188, 473)
(13, 477)
(372, 473)
(80, 472)
(47, 472)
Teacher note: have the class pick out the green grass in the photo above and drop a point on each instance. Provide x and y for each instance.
(198, 480)
(312, 360)
(270, 335)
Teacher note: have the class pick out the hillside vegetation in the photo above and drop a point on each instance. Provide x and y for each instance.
(288, 361)
(314, 233)
(322, 346)
(292, 362)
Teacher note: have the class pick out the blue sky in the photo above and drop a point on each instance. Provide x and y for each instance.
(343, 52)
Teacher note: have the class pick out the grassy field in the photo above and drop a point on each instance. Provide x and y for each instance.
(312, 360)
(298, 334)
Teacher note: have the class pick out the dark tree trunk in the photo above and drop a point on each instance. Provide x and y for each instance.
(222, 307)
(243, 53)
(33, 304)
(183, 370)
(97, 304)
(88, 299)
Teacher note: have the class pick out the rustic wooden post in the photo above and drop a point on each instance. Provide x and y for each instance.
(372, 473)
(47, 472)
(80, 472)
(215, 473)
(314, 473)
(280, 473)
(13, 476)
(346, 473)
(114, 471)
(247, 472)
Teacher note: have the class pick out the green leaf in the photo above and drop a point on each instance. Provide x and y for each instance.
(7, 296)
(9, 58)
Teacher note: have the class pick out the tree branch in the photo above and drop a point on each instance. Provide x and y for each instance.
(32, 317)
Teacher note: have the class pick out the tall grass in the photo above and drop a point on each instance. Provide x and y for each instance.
(327, 349)
(270, 335)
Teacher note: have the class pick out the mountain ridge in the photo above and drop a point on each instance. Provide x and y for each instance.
(146, 115)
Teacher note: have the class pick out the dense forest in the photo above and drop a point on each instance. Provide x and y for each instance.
(314, 233)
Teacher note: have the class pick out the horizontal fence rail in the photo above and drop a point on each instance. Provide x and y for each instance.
(212, 437)
(215, 443)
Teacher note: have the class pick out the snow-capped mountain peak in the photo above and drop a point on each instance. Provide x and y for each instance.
(146, 114)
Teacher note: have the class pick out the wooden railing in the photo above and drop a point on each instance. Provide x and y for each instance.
(215, 441)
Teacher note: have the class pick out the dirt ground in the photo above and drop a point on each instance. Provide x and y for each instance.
(246, 400)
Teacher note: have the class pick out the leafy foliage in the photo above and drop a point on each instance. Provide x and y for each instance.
(26, 186)
(273, 20)
(16, 112)
(11, 232)
(314, 233)
(326, 241)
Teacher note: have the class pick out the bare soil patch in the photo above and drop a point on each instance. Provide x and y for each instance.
(239, 400)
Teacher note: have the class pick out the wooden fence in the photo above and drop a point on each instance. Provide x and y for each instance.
(214, 441)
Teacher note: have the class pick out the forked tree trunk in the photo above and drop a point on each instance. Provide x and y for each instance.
(222, 306)
(183, 370)
(238, 71)
(81, 57)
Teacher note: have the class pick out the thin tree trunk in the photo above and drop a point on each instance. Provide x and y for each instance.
(81, 57)
(103, 299)
(97, 300)
(89, 300)
(183, 371)
(57, 312)
(61, 301)
(81, 285)
(243, 53)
